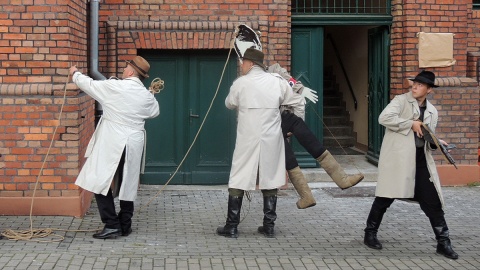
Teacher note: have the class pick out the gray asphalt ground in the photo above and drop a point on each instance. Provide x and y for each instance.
(177, 231)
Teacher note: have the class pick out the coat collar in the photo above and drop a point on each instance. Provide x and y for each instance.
(428, 112)
(256, 70)
(135, 79)
(416, 109)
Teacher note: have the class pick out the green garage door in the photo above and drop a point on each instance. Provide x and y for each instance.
(191, 78)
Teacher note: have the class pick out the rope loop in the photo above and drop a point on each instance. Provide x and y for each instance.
(156, 86)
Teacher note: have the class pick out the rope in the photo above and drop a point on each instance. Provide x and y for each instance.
(196, 135)
(32, 234)
(156, 86)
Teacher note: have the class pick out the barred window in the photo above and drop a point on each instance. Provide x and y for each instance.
(312, 7)
(476, 4)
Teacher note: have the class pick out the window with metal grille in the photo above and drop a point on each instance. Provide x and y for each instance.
(312, 7)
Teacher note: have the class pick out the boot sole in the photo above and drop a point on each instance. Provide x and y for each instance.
(373, 247)
(110, 236)
(447, 256)
(227, 235)
(354, 184)
(308, 206)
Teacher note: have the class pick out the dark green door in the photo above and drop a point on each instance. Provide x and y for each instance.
(191, 79)
(378, 88)
(307, 67)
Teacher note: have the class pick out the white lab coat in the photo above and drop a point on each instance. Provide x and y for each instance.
(259, 148)
(126, 104)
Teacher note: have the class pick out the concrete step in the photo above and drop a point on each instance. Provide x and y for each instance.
(344, 141)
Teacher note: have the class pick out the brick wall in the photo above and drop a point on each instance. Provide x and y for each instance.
(127, 26)
(412, 17)
(39, 40)
(458, 97)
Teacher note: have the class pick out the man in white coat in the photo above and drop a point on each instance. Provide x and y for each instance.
(259, 149)
(117, 145)
(406, 168)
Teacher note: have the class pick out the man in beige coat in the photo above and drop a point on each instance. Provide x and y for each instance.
(406, 168)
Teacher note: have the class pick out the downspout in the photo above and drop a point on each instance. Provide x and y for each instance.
(93, 61)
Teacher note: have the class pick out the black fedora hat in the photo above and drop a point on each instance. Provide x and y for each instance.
(255, 56)
(426, 77)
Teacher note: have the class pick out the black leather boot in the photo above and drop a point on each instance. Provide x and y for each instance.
(269, 217)
(444, 246)
(233, 218)
(373, 223)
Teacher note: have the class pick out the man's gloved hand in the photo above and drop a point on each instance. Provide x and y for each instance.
(309, 94)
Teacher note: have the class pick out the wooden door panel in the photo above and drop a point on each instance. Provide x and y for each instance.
(191, 78)
(307, 67)
(214, 148)
(165, 144)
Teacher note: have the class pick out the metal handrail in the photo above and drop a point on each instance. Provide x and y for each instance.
(343, 69)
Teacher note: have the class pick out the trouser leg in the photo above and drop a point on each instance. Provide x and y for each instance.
(125, 216)
(269, 212)
(427, 196)
(296, 125)
(379, 207)
(106, 208)
(126, 207)
(290, 159)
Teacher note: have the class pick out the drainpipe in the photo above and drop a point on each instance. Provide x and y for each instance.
(93, 63)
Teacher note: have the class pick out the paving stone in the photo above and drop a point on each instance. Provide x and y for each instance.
(177, 231)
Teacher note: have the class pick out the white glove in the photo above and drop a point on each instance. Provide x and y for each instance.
(310, 94)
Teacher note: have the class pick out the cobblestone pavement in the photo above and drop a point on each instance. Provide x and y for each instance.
(177, 231)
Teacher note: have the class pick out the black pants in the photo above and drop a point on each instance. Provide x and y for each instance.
(425, 194)
(296, 125)
(106, 205)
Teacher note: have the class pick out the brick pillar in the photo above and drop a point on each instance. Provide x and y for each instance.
(457, 100)
(38, 43)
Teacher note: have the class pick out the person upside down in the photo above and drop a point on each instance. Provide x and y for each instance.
(293, 124)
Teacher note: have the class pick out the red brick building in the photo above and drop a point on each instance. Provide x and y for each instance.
(366, 52)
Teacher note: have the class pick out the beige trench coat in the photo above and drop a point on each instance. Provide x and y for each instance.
(396, 166)
(126, 104)
(259, 148)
